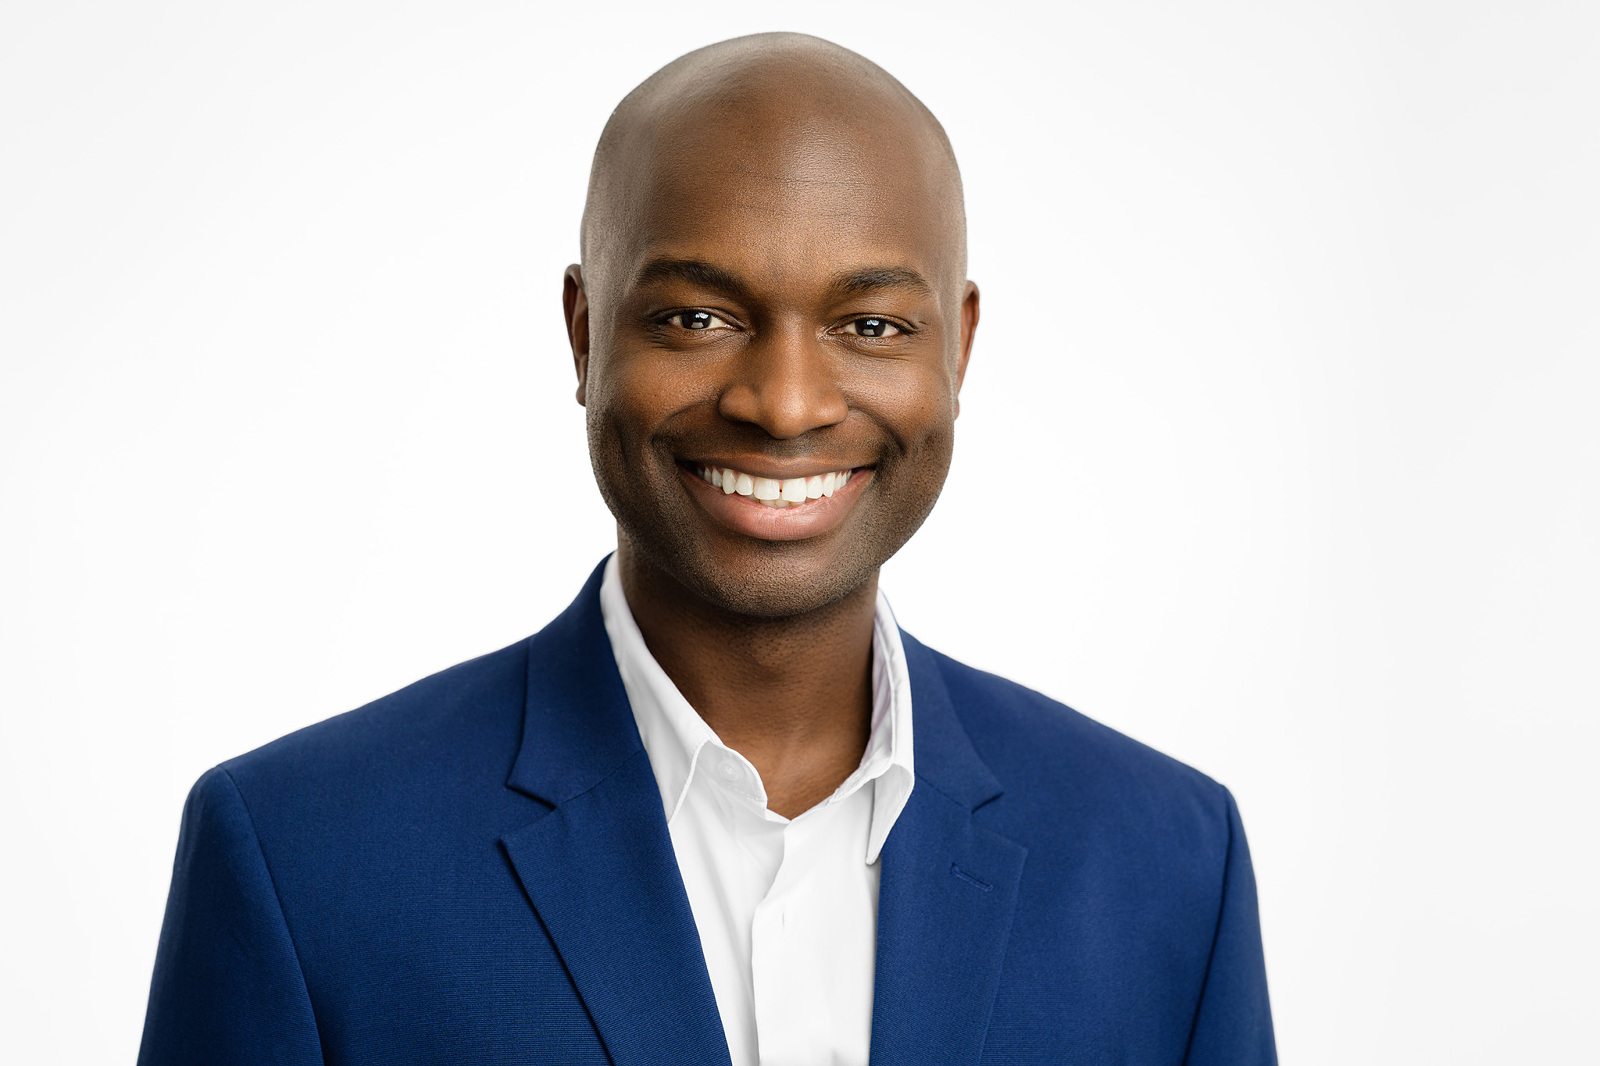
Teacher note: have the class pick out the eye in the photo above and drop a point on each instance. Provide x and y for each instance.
(872, 327)
(696, 320)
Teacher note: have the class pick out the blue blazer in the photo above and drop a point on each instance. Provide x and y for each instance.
(476, 869)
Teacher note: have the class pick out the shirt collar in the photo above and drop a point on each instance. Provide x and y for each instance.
(676, 739)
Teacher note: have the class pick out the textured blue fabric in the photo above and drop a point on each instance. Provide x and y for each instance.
(476, 869)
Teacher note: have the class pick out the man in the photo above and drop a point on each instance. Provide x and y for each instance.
(722, 809)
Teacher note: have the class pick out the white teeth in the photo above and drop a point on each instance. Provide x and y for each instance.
(774, 492)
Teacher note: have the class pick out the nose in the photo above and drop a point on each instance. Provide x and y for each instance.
(786, 383)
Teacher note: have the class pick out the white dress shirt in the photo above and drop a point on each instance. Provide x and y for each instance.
(787, 910)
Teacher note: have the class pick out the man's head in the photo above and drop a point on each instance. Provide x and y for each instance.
(773, 283)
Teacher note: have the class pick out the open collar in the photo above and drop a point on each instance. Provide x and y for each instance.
(597, 865)
(675, 737)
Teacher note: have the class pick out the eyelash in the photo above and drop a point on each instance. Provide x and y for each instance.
(671, 318)
(889, 322)
(675, 318)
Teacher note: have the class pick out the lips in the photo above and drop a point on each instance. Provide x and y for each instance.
(773, 492)
(775, 509)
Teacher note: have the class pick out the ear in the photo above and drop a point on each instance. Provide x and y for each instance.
(969, 329)
(575, 302)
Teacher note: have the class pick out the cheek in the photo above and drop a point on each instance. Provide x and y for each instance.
(630, 396)
(620, 421)
(916, 406)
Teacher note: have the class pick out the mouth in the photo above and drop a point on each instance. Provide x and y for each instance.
(774, 508)
(778, 493)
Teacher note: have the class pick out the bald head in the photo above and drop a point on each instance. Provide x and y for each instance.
(779, 107)
(774, 284)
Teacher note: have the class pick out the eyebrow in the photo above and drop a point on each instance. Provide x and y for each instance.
(693, 271)
(850, 283)
(871, 279)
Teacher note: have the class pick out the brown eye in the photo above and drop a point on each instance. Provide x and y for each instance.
(872, 327)
(696, 320)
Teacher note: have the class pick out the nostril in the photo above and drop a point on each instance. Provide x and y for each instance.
(784, 411)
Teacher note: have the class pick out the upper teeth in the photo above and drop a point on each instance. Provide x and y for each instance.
(774, 492)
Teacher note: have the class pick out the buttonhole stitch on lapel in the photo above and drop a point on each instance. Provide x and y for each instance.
(982, 886)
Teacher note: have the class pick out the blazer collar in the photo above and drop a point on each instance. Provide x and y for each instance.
(945, 757)
(577, 727)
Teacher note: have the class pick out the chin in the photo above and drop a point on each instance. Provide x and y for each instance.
(776, 584)
(771, 603)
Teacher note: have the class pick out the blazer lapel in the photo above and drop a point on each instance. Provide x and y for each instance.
(947, 894)
(598, 866)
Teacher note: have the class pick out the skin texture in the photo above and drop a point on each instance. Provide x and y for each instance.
(791, 190)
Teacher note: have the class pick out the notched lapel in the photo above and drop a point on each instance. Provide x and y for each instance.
(947, 894)
(605, 883)
(598, 866)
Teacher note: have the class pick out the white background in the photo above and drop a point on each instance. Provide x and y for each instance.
(1278, 449)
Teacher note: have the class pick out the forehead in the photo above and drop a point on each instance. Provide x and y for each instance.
(791, 196)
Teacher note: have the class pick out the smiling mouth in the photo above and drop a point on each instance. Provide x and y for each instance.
(773, 492)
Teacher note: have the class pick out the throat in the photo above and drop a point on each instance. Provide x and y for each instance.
(792, 695)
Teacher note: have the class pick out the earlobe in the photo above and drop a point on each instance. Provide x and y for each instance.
(575, 304)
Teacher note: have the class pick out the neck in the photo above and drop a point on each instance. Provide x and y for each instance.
(793, 695)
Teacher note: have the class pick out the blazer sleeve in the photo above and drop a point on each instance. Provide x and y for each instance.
(1233, 1023)
(228, 988)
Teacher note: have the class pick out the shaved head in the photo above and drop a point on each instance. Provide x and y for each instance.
(773, 287)
(779, 104)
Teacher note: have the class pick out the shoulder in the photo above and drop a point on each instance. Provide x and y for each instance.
(461, 723)
(1060, 768)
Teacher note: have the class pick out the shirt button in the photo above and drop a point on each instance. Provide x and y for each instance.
(729, 771)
